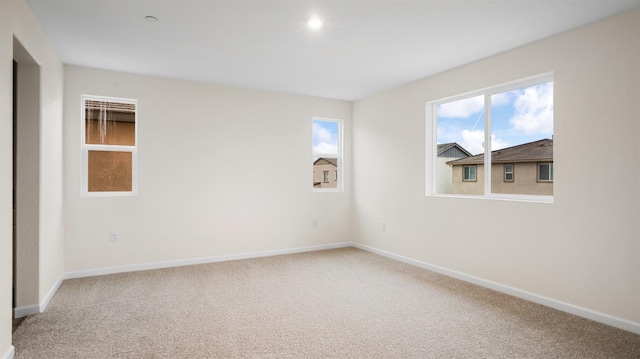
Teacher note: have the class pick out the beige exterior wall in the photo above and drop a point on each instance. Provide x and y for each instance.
(525, 181)
(468, 187)
(318, 175)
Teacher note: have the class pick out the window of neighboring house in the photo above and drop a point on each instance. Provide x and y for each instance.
(469, 173)
(327, 154)
(109, 132)
(545, 172)
(508, 172)
(499, 128)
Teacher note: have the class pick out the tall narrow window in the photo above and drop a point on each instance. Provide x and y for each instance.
(327, 154)
(493, 130)
(108, 146)
(508, 172)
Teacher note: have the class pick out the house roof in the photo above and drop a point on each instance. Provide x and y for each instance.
(536, 151)
(332, 161)
(443, 147)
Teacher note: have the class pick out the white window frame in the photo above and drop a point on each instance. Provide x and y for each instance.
(431, 142)
(339, 156)
(85, 148)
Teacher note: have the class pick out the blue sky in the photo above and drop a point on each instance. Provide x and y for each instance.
(517, 117)
(325, 137)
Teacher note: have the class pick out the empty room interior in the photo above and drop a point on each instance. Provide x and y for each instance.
(319, 179)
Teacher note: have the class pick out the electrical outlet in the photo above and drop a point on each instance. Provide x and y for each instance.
(113, 236)
(383, 226)
(315, 223)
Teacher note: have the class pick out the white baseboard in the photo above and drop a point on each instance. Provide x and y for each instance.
(532, 297)
(37, 308)
(9, 353)
(202, 260)
(52, 292)
(26, 310)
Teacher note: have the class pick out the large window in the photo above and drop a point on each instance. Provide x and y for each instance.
(327, 154)
(498, 128)
(108, 146)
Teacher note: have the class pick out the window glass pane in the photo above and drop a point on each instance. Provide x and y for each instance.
(110, 123)
(521, 134)
(323, 167)
(110, 171)
(460, 137)
(543, 171)
(326, 137)
(327, 153)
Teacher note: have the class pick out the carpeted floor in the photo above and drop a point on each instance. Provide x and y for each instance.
(343, 303)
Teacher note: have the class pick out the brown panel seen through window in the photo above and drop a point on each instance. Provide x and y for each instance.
(110, 171)
(110, 123)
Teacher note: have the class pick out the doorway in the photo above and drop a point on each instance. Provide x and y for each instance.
(16, 322)
(26, 182)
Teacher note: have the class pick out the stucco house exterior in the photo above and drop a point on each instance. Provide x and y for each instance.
(522, 169)
(325, 173)
(447, 152)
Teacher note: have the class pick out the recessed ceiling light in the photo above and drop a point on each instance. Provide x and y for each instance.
(314, 23)
(150, 18)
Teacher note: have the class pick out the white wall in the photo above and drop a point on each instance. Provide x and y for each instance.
(221, 171)
(584, 249)
(17, 20)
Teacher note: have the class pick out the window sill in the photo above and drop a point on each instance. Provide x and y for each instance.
(328, 190)
(500, 197)
(108, 194)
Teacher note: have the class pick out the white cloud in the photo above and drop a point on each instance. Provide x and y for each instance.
(323, 140)
(472, 141)
(324, 147)
(533, 110)
(462, 108)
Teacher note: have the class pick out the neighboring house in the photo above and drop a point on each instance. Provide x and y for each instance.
(522, 169)
(325, 173)
(447, 152)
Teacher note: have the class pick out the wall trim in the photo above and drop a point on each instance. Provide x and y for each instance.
(9, 353)
(21, 312)
(600, 317)
(202, 260)
(603, 318)
(37, 308)
(49, 296)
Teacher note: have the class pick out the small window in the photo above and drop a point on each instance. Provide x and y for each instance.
(508, 172)
(545, 172)
(469, 173)
(108, 146)
(327, 154)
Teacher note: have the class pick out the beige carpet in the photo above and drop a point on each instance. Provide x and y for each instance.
(343, 303)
